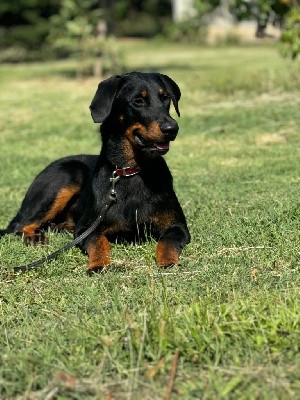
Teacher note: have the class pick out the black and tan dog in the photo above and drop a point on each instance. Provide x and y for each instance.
(70, 192)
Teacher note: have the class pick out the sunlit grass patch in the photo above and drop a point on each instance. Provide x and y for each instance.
(231, 310)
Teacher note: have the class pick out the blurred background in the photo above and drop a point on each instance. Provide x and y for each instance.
(92, 31)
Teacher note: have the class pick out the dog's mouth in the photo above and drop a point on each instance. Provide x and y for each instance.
(152, 147)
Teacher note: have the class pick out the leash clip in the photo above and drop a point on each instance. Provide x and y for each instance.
(114, 179)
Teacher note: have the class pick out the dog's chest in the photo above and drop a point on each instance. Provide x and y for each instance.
(138, 205)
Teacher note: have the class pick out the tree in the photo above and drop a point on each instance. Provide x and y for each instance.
(137, 18)
(190, 26)
(24, 27)
(74, 25)
(78, 30)
(283, 13)
(263, 11)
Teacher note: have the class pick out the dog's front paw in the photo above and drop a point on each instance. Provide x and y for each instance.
(167, 255)
(168, 265)
(96, 270)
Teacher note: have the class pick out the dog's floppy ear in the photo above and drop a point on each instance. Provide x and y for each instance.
(173, 91)
(102, 102)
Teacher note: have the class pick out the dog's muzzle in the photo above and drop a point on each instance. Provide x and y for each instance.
(170, 130)
(160, 145)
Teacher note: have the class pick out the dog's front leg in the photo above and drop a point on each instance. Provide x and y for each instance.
(170, 245)
(98, 249)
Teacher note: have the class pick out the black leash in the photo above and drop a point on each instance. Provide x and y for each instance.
(112, 199)
(85, 234)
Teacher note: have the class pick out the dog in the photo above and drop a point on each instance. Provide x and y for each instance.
(136, 129)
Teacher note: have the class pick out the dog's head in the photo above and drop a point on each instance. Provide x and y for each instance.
(137, 105)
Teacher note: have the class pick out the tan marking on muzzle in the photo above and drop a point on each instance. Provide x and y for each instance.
(151, 133)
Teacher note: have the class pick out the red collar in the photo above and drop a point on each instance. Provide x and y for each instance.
(127, 171)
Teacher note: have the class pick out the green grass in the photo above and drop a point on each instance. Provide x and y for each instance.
(231, 308)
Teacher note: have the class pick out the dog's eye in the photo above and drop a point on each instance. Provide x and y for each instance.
(166, 98)
(139, 102)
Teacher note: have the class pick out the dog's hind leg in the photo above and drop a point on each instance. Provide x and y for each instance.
(34, 215)
(51, 198)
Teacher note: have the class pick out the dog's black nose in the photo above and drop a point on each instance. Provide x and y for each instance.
(170, 130)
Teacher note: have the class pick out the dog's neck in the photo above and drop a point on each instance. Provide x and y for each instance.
(119, 152)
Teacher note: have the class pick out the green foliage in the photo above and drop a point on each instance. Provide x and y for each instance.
(204, 6)
(243, 9)
(73, 28)
(74, 32)
(138, 18)
(37, 30)
(24, 28)
(291, 35)
(192, 29)
(285, 13)
(145, 25)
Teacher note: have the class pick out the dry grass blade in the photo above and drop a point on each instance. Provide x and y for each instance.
(172, 375)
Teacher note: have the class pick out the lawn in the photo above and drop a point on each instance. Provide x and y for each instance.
(226, 323)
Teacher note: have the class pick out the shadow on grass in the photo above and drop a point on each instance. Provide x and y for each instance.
(174, 67)
(68, 70)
